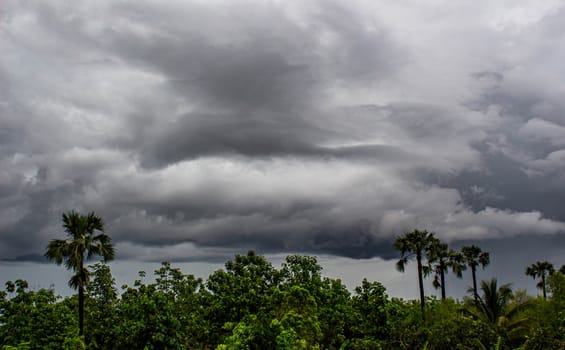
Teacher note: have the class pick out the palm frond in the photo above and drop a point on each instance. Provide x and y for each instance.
(56, 250)
(400, 264)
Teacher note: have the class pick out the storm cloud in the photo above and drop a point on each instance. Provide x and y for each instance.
(197, 129)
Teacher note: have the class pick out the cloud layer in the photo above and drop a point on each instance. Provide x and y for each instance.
(200, 128)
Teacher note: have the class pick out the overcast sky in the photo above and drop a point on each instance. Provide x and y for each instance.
(201, 129)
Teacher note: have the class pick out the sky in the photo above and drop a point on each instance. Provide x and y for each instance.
(203, 129)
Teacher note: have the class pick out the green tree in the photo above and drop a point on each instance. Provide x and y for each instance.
(303, 271)
(448, 327)
(441, 259)
(541, 269)
(414, 244)
(243, 288)
(147, 320)
(456, 263)
(101, 300)
(438, 258)
(35, 318)
(407, 328)
(370, 304)
(495, 307)
(296, 320)
(494, 299)
(334, 310)
(551, 333)
(166, 314)
(182, 291)
(335, 313)
(86, 239)
(473, 257)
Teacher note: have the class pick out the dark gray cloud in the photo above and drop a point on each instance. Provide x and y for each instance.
(201, 129)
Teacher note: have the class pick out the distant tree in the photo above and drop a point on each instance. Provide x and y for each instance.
(438, 258)
(243, 288)
(541, 269)
(449, 326)
(35, 319)
(86, 238)
(101, 308)
(495, 307)
(473, 257)
(370, 303)
(303, 271)
(166, 314)
(331, 296)
(493, 299)
(442, 259)
(548, 320)
(456, 263)
(415, 244)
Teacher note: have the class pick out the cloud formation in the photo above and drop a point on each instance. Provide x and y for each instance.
(200, 128)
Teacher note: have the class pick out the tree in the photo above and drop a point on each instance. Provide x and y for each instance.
(449, 327)
(415, 244)
(244, 288)
(370, 304)
(456, 262)
(35, 319)
(441, 259)
(303, 271)
(86, 239)
(541, 269)
(166, 314)
(331, 296)
(493, 300)
(474, 257)
(101, 308)
(495, 307)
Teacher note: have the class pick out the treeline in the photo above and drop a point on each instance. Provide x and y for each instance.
(252, 305)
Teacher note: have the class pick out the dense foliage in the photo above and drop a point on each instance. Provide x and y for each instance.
(252, 305)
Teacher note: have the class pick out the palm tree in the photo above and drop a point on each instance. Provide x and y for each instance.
(541, 269)
(438, 259)
(457, 263)
(474, 257)
(494, 299)
(495, 307)
(86, 239)
(415, 244)
(441, 259)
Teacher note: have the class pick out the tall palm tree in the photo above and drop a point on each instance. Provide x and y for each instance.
(456, 262)
(415, 244)
(474, 257)
(541, 269)
(441, 259)
(438, 259)
(86, 238)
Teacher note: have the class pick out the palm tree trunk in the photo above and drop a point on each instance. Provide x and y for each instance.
(80, 309)
(421, 283)
(442, 276)
(81, 300)
(475, 295)
(543, 285)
